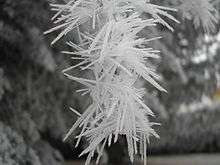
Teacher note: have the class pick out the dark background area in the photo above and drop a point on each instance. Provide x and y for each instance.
(35, 96)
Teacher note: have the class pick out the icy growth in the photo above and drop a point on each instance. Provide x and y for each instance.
(117, 57)
(201, 12)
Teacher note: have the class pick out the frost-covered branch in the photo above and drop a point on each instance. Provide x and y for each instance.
(118, 57)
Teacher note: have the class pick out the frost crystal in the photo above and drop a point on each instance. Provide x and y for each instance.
(117, 57)
(201, 12)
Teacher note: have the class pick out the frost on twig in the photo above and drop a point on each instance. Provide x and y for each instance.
(117, 57)
(201, 12)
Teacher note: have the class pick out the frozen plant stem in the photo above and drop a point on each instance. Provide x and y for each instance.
(118, 57)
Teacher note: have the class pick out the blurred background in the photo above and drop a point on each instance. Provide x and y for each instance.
(35, 96)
